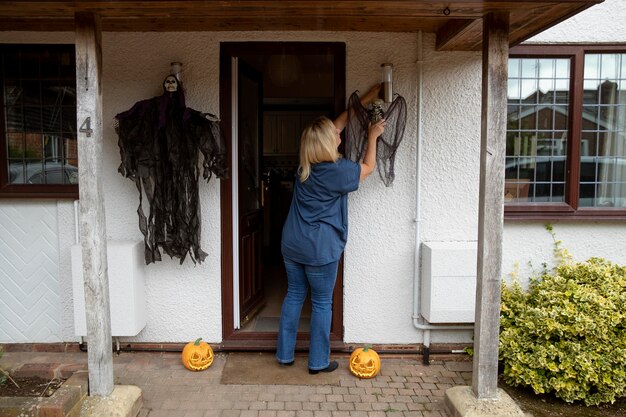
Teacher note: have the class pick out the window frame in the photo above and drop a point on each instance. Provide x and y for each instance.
(569, 209)
(8, 190)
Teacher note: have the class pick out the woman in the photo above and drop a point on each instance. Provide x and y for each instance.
(316, 230)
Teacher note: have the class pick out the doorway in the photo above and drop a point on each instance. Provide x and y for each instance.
(269, 91)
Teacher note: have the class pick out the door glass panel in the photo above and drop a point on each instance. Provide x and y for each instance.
(248, 146)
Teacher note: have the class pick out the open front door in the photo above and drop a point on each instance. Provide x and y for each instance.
(268, 92)
(249, 128)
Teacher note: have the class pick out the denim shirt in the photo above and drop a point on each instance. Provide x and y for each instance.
(316, 229)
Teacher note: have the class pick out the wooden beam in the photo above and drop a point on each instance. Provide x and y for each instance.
(272, 8)
(92, 220)
(491, 204)
(457, 23)
(453, 31)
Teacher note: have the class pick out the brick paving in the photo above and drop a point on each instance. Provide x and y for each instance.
(404, 388)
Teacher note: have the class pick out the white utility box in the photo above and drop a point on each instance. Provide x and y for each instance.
(126, 288)
(449, 281)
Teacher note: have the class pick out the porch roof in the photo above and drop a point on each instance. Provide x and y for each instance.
(456, 23)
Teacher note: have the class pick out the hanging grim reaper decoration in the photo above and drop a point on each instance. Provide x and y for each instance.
(359, 118)
(160, 140)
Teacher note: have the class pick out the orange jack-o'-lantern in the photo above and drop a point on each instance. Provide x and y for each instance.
(364, 362)
(197, 356)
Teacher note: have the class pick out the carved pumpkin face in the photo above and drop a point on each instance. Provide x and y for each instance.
(364, 363)
(197, 356)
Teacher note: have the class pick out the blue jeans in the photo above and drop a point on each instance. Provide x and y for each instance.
(300, 277)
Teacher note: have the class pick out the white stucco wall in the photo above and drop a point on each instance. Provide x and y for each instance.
(380, 257)
(530, 244)
(184, 301)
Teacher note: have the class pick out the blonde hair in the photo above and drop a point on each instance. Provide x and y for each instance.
(317, 144)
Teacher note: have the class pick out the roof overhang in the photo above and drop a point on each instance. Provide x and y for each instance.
(457, 24)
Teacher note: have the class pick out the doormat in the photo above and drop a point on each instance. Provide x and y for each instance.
(244, 368)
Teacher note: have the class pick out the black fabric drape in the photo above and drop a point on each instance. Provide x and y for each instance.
(160, 140)
(388, 142)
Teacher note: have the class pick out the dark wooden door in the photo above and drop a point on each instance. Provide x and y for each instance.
(250, 146)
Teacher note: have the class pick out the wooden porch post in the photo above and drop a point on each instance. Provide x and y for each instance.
(92, 220)
(491, 210)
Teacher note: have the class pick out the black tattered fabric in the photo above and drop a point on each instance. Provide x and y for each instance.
(359, 118)
(160, 140)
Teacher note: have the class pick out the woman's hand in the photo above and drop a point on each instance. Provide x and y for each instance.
(376, 129)
(369, 160)
(371, 95)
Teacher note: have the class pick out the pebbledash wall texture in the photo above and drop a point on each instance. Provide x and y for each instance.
(184, 301)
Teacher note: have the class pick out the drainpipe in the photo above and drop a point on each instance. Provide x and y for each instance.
(418, 320)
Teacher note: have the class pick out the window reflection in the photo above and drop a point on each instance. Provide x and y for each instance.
(603, 136)
(537, 122)
(39, 105)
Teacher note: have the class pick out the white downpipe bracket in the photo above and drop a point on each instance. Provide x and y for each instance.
(418, 320)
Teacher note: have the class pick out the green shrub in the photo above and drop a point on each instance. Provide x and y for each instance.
(566, 334)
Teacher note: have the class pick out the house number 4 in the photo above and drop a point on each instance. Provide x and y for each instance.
(86, 127)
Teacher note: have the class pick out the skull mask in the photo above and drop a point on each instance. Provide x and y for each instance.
(170, 84)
